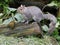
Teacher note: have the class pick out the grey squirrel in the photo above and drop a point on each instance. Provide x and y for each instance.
(35, 13)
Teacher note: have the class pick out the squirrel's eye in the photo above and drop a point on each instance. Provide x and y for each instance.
(20, 9)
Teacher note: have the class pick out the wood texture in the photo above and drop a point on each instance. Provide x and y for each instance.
(20, 29)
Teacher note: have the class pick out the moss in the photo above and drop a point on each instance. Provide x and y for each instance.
(26, 41)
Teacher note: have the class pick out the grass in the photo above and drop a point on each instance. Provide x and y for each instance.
(4, 40)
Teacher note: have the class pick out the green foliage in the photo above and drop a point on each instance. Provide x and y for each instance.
(45, 28)
(56, 32)
(19, 17)
(54, 3)
(27, 41)
(11, 15)
(4, 4)
(5, 1)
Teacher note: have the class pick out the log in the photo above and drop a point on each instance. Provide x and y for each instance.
(21, 29)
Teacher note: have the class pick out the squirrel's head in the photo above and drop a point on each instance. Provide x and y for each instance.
(21, 9)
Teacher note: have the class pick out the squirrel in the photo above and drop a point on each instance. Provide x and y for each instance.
(35, 13)
(31, 12)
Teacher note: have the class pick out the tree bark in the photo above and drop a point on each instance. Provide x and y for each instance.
(21, 29)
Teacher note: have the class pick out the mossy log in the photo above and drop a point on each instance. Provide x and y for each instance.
(20, 29)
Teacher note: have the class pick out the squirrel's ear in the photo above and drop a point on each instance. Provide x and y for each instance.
(21, 5)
